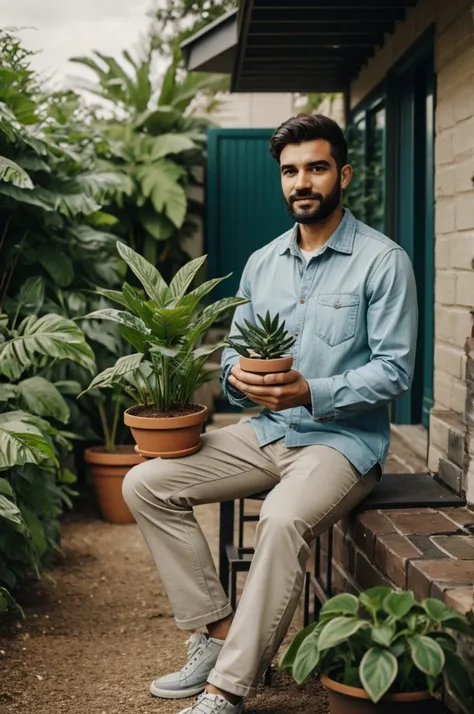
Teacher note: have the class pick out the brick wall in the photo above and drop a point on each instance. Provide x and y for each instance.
(454, 260)
(451, 432)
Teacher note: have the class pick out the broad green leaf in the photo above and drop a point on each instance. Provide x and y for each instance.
(288, 658)
(158, 226)
(336, 631)
(344, 604)
(170, 323)
(11, 513)
(378, 671)
(5, 488)
(426, 654)
(109, 376)
(435, 609)
(167, 144)
(306, 659)
(22, 442)
(459, 681)
(373, 598)
(196, 295)
(158, 120)
(185, 276)
(31, 295)
(210, 314)
(383, 634)
(397, 605)
(36, 530)
(153, 284)
(114, 296)
(12, 173)
(49, 336)
(160, 182)
(42, 398)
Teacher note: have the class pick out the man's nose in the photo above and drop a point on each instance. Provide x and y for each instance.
(303, 181)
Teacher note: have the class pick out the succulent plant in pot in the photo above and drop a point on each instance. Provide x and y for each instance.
(263, 348)
(384, 653)
(165, 325)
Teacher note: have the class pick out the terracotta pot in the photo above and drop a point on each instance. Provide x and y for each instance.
(167, 437)
(351, 700)
(266, 366)
(108, 470)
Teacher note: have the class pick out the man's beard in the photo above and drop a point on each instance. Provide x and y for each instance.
(327, 205)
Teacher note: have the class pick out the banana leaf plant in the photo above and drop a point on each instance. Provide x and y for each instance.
(385, 642)
(165, 324)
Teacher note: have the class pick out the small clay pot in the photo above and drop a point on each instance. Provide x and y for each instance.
(167, 437)
(108, 469)
(352, 700)
(266, 366)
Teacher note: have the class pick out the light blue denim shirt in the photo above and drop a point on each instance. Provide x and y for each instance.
(353, 309)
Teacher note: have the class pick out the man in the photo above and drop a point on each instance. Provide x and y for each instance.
(348, 295)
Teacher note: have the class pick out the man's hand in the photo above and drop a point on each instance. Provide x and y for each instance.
(283, 390)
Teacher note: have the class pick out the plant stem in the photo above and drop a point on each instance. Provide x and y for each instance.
(105, 426)
(113, 433)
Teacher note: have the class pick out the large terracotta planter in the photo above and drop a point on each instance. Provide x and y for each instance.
(108, 470)
(266, 366)
(167, 437)
(351, 700)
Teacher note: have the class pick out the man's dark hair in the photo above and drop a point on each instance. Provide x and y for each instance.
(308, 127)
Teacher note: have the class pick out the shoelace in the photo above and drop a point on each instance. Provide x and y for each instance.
(195, 646)
(207, 704)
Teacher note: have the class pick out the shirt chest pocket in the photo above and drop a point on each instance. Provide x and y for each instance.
(336, 317)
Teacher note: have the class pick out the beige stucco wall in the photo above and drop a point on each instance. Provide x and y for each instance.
(454, 215)
(253, 111)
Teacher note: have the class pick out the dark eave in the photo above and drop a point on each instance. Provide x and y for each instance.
(299, 46)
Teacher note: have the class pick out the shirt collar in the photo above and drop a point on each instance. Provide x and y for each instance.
(342, 240)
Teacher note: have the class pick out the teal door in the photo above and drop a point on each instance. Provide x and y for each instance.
(414, 219)
(245, 207)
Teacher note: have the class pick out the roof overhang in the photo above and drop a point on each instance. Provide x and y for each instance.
(214, 48)
(294, 45)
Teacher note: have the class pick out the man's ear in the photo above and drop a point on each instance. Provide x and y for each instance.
(346, 176)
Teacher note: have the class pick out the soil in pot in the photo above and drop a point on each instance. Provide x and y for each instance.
(266, 366)
(351, 700)
(167, 435)
(108, 469)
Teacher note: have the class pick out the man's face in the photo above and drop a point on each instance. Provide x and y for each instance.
(311, 180)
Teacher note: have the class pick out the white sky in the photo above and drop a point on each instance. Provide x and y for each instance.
(67, 28)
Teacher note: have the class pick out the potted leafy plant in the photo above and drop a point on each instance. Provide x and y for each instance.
(383, 653)
(265, 347)
(165, 325)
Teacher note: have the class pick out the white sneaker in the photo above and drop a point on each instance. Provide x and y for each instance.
(213, 704)
(191, 680)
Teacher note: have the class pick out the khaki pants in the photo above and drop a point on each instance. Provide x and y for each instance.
(314, 486)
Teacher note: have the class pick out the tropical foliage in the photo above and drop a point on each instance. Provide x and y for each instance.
(156, 146)
(165, 327)
(74, 178)
(385, 642)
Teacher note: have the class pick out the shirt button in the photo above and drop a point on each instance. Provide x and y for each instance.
(302, 301)
(297, 334)
(292, 426)
(337, 305)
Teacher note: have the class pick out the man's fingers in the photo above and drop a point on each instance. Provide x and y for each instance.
(268, 379)
(255, 390)
(282, 377)
(246, 377)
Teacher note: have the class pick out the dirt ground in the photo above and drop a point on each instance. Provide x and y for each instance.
(99, 628)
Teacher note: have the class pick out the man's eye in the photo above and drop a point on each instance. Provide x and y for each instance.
(318, 168)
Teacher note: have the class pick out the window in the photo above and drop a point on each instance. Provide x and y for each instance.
(365, 196)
